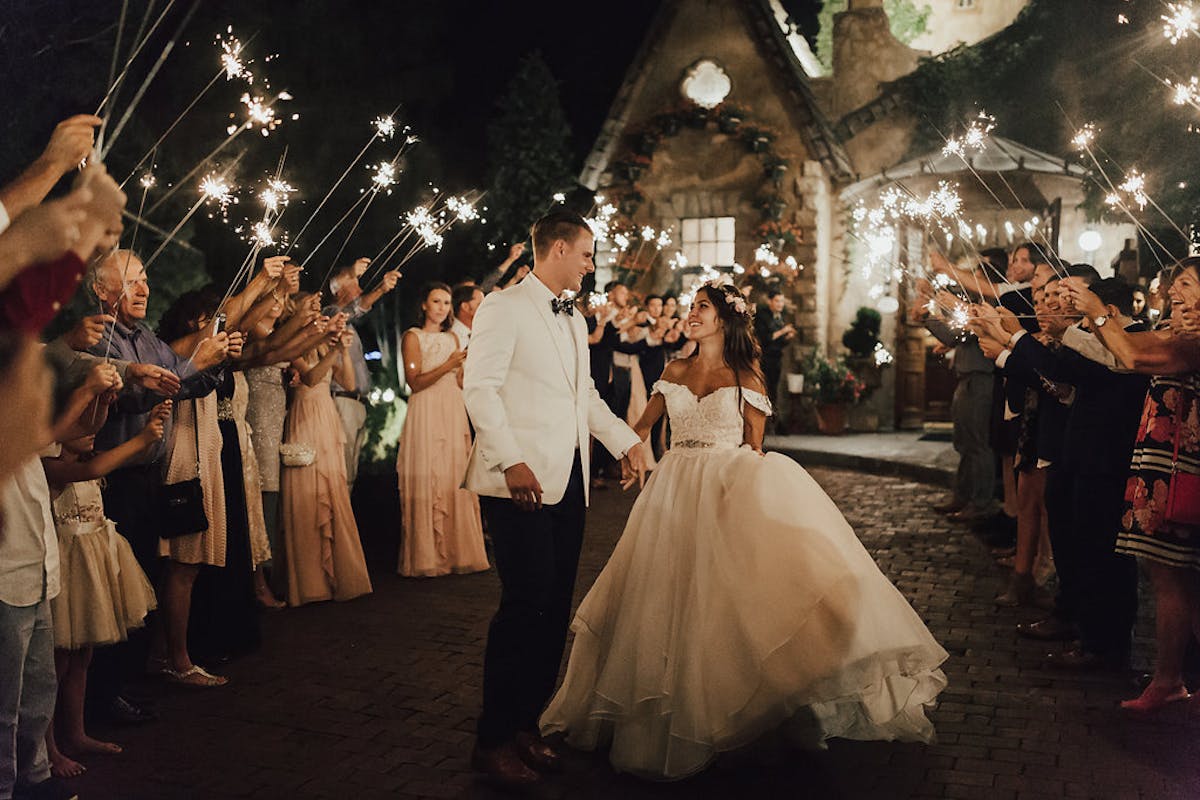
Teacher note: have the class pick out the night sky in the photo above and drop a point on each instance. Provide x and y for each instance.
(444, 63)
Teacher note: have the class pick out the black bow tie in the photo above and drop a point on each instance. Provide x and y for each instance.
(563, 306)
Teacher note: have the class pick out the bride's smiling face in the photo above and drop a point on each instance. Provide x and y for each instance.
(702, 320)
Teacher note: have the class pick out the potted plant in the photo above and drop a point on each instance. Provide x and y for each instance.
(779, 234)
(758, 138)
(772, 207)
(835, 388)
(698, 117)
(730, 118)
(775, 168)
(862, 340)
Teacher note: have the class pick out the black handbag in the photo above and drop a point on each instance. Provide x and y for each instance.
(181, 505)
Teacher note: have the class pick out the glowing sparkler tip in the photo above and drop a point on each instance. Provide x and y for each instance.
(384, 176)
(147, 180)
(385, 127)
(559, 197)
(1180, 22)
(1085, 136)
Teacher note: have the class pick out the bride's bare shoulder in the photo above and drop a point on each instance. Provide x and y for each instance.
(675, 371)
(752, 380)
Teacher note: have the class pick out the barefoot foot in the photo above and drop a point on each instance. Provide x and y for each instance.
(63, 767)
(1155, 697)
(87, 744)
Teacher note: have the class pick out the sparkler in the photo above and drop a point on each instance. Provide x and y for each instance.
(973, 139)
(384, 177)
(385, 127)
(1180, 22)
(1085, 136)
(1186, 94)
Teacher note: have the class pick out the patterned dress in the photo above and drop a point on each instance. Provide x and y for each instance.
(1171, 411)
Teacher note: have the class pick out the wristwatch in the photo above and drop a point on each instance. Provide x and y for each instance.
(1100, 320)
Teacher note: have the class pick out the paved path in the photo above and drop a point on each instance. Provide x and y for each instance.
(377, 698)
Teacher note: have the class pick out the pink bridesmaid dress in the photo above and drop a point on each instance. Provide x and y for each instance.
(440, 528)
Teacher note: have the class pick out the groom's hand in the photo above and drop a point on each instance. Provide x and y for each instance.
(633, 467)
(523, 486)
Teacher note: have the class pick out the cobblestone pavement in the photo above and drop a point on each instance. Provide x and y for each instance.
(377, 697)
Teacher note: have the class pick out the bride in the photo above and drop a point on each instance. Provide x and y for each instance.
(738, 599)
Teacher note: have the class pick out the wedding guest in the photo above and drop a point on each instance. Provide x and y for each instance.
(194, 450)
(441, 532)
(121, 287)
(351, 401)
(774, 333)
(1158, 532)
(104, 593)
(466, 299)
(322, 550)
(505, 274)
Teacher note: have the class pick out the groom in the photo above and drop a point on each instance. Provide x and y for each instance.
(529, 392)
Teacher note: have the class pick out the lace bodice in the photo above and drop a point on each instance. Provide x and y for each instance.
(435, 349)
(79, 503)
(714, 420)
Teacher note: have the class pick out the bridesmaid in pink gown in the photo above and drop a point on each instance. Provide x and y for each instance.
(440, 528)
(322, 550)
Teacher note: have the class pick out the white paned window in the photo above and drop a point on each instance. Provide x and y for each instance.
(708, 240)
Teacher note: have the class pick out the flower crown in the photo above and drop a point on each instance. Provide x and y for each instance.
(733, 297)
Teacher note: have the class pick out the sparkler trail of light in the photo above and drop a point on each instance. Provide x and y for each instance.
(222, 70)
(201, 164)
(1180, 22)
(383, 179)
(116, 56)
(1112, 189)
(114, 86)
(362, 198)
(379, 133)
(111, 137)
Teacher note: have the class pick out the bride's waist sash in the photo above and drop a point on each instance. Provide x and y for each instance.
(696, 444)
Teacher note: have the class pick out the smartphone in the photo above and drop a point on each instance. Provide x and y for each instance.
(218, 322)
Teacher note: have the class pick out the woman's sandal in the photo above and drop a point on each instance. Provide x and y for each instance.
(1149, 702)
(195, 677)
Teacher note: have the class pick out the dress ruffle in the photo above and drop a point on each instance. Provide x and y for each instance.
(739, 600)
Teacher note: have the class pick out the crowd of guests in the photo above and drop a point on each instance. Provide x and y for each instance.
(1083, 393)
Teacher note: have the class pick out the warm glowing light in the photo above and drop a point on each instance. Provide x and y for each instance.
(385, 127)
(1180, 22)
(1085, 136)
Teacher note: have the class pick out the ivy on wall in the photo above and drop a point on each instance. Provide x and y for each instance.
(908, 21)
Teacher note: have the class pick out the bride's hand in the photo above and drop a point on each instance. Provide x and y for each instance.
(633, 467)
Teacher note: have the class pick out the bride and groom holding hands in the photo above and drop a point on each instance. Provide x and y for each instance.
(738, 599)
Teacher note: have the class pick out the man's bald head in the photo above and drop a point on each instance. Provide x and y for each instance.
(119, 282)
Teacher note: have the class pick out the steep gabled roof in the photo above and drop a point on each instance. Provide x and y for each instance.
(814, 128)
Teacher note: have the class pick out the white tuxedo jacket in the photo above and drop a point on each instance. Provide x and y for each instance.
(525, 403)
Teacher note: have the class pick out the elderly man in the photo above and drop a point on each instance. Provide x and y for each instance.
(349, 299)
(119, 283)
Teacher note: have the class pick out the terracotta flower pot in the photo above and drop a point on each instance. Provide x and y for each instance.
(831, 418)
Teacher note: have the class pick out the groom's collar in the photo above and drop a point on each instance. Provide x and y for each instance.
(536, 285)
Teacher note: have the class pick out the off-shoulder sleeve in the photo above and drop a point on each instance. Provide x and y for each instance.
(756, 399)
(663, 387)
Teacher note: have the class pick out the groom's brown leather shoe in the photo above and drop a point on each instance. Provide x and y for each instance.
(534, 751)
(503, 767)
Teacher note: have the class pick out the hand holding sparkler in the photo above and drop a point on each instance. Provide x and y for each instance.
(1079, 298)
(102, 378)
(156, 424)
(360, 266)
(389, 280)
(70, 143)
(44, 232)
(273, 267)
(236, 341)
(1186, 323)
(992, 348)
(88, 332)
(154, 378)
(211, 351)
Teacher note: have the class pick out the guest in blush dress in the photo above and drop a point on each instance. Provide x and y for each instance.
(440, 528)
(322, 550)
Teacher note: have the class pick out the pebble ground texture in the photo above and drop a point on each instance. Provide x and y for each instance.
(377, 698)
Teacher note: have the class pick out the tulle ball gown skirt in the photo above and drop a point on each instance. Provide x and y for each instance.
(737, 601)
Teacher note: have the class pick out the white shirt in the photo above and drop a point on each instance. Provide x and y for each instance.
(28, 543)
(564, 322)
(460, 329)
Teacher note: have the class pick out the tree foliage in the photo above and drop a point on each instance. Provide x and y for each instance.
(1061, 64)
(908, 21)
(529, 152)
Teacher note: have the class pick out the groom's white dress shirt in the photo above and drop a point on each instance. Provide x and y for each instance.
(528, 388)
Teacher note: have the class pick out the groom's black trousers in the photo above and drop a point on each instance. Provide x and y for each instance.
(537, 557)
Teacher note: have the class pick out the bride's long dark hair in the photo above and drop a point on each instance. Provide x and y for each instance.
(741, 350)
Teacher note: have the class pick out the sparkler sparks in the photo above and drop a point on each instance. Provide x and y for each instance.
(1135, 186)
(215, 188)
(559, 197)
(1085, 136)
(262, 235)
(973, 139)
(384, 176)
(231, 58)
(1180, 22)
(275, 196)
(1185, 94)
(385, 127)
(463, 210)
(147, 181)
(259, 113)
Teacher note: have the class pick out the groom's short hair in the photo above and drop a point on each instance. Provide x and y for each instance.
(558, 224)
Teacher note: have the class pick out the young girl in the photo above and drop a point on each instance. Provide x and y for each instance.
(104, 592)
(738, 599)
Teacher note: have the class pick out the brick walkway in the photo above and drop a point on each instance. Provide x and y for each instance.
(377, 698)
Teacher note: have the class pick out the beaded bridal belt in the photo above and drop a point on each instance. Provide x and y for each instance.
(696, 444)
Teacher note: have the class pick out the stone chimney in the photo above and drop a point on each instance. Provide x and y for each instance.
(865, 55)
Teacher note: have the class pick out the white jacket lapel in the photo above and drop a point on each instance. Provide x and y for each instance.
(561, 345)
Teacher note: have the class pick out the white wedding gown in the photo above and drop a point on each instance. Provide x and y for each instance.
(738, 600)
